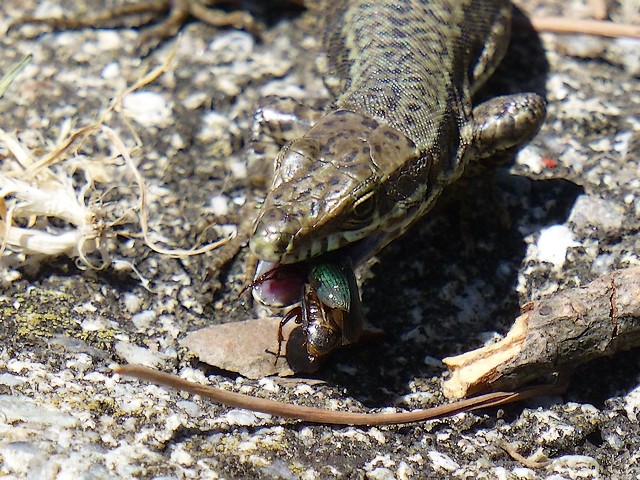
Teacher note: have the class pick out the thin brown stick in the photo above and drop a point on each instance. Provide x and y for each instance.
(577, 26)
(330, 417)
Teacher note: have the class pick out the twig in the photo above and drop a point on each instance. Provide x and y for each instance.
(557, 333)
(601, 28)
(518, 457)
(330, 417)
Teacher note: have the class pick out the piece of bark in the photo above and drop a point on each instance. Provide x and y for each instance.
(249, 347)
(554, 334)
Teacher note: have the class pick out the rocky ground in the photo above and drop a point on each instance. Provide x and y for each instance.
(571, 196)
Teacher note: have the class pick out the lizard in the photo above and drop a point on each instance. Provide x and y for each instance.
(401, 128)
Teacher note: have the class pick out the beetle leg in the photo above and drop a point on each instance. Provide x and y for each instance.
(294, 313)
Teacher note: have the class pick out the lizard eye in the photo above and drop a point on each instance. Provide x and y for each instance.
(364, 207)
(362, 211)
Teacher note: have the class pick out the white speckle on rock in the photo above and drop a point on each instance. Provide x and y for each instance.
(555, 427)
(377, 435)
(89, 307)
(238, 169)
(19, 457)
(576, 466)
(131, 405)
(603, 264)
(108, 39)
(111, 71)
(405, 471)
(530, 157)
(214, 126)
(632, 404)
(355, 435)
(303, 389)
(18, 366)
(11, 380)
(615, 441)
(557, 88)
(524, 473)
(180, 456)
(245, 418)
(144, 319)
(192, 409)
(278, 469)
(554, 243)
(177, 141)
(381, 473)
(139, 355)
(227, 85)
(500, 473)
(94, 324)
(582, 46)
(195, 100)
(132, 302)
(21, 408)
(626, 52)
(382, 460)
(234, 46)
(440, 461)
(219, 205)
(239, 200)
(268, 385)
(81, 362)
(148, 108)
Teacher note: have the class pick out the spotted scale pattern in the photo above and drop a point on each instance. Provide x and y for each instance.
(401, 128)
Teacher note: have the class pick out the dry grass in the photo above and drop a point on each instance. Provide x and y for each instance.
(69, 203)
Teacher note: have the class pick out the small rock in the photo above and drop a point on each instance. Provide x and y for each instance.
(596, 215)
(249, 347)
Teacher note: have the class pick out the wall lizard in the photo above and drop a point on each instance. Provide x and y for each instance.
(402, 127)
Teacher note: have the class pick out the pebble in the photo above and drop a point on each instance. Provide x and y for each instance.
(596, 216)
(442, 461)
(553, 244)
(148, 108)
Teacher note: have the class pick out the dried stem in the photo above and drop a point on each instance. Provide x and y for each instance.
(601, 28)
(330, 417)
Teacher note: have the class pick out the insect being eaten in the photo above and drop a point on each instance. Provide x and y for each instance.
(329, 307)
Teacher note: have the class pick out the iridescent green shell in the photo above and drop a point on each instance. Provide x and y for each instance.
(331, 283)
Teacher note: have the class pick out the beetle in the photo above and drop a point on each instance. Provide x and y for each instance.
(330, 310)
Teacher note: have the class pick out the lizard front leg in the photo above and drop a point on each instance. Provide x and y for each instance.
(501, 126)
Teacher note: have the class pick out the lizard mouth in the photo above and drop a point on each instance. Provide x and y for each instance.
(280, 285)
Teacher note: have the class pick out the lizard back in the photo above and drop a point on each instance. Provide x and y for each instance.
(411, 63)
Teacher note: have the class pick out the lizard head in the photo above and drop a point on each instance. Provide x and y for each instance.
(336, 187)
